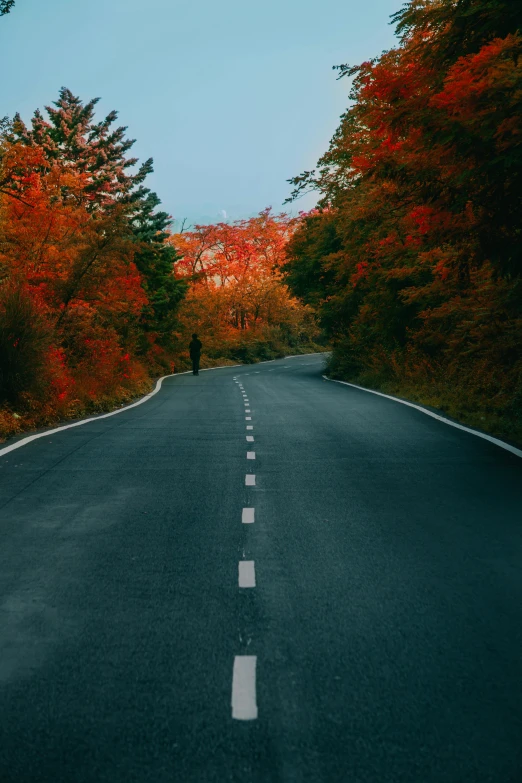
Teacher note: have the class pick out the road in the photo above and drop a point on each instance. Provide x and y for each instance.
(381, 643)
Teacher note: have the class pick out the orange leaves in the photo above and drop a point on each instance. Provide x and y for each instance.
(237, 292)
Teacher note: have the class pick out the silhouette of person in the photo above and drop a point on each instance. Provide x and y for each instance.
(195, 353)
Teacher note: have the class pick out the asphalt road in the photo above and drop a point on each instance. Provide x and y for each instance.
(381, 643)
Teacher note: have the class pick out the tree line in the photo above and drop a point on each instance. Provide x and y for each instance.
(88, 297)
(413, 257)
(238, 297)
(98, 296)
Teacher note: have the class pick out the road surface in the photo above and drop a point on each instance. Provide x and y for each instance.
(371, 634)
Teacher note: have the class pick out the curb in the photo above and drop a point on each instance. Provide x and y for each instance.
(501, 443)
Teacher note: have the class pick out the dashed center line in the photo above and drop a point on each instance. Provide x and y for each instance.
(248, 418)
(249, 426)
(250, 438)
(250, 480)
(246, 573)
(247, 517)
(244, 701)
(251, 454)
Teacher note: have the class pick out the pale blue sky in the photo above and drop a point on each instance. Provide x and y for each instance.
(230, 98)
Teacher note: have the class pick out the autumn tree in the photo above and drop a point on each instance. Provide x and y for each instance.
(88, 290)
(413, 254)
(97, 150)
(237, 294)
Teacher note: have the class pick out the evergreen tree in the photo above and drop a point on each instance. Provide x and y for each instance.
(156, 261)
(94, 148)
(99, 150)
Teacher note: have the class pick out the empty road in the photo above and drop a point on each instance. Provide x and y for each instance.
(261, 576)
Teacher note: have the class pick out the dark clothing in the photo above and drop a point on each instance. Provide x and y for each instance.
(195, 352)
(195, 348)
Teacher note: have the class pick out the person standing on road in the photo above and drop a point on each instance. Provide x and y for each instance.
(195, 353)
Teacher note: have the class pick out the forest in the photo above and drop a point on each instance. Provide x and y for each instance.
(409, 267)
(413, 257)
(98, 295)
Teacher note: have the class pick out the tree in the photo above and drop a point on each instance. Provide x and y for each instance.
(5, 6)
(416, 245)
(237, 294)
(98, 152)
(96, 149)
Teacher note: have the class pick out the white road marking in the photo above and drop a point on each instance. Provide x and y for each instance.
(247, 517)
(244, 702)
(250, 438)
(248, 418)
(250, 427)
(247, 410)
(495, 441)
(246, 573)
(251, 454)
(250, 480)
(30, 438)
(256, 372)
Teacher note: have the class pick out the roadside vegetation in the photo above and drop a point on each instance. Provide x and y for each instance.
(409, 266)
(413, 258)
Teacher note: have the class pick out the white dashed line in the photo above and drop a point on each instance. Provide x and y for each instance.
(251, 454)
(250, 438)
(248, 418)
(247, 410)
(249, 427)
(246, 573)
(247, 517)
(244, 703)
(250, 480)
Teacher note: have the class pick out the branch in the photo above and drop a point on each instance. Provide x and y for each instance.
(5, 6)
(12, 195)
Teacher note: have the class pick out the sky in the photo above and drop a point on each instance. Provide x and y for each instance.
(230, 97)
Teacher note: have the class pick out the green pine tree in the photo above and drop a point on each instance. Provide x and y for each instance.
(99, 150)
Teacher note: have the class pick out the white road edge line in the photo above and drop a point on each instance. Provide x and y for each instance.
(248, 516)
(30, 438)
(244, 702)
(250, 480)
(490, 438)
(246, 573)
